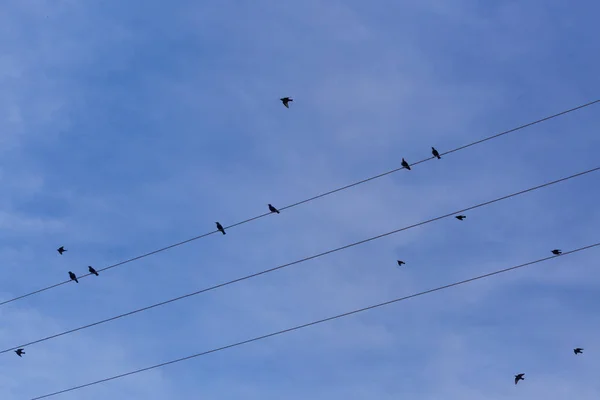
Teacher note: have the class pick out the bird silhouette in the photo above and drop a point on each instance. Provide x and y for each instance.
(73, 277)
(405, 164)
(20, 352)
(273, 209)
(578, 350)
(61, 250)
(519, 377)
(400, 262)
(556, 252)
(460, 217)
(435, 153)
(220, 227)
(92, 270)
(286, 100)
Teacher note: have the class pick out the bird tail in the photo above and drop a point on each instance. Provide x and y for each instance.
(439, 158)
(76, 280)
(277, 211)
(96, 273)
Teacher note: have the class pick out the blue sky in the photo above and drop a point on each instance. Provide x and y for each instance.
(128, 126)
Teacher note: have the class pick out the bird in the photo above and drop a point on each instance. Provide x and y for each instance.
(73, 277)
(20, 352)
(61, 250)
(400, 262)
(92, 270)
(556, 252)
(578, 350)
(220, 227)
(405, 164)
(286, 100)
(435, 153)
(519, 377)
(273, 209)
(460, 217)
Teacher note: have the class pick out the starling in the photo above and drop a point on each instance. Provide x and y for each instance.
(286, 100)
(92, 270)
(61, 250)
(20, 352)
(73, 277)
(220, 228)
(518, 378)
(578, 350)
(556, 252)
(400, 263)
(405, 164)
(273, 209)
(460, 217)
(435, 153)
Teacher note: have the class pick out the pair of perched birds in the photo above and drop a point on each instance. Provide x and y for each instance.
(73, 277)
(435, 153)
(222, 230)
(520, 377)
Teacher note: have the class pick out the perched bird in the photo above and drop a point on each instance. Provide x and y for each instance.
(273, 209)
(286, 100)
(405, 164)
(220, 227)
(518, 378)
(20, 352)
(61, 250)
(556, 252)
(460, 217)
(92, 270)
(578, 350)
(435, 153)
(400, 263)
(73, 277)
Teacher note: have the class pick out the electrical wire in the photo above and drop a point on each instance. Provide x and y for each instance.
(320, 321)
(294, 262)
(305, 201)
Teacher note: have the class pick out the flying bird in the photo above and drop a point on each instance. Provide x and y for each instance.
(61, 250)
(286, 100)
(519, 377)
(73, 277)
(556, 252)
(405, 164)
(20, 352)
(435, 153)
(220, 228)
(273, 209)
(578, 350)
(92, 270)
(400, 263)
(460, 217)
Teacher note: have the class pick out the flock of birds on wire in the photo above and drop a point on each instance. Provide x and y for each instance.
(272, 209)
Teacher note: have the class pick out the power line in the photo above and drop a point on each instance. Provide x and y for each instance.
(295, 262)
(320, 321)
(307, 200)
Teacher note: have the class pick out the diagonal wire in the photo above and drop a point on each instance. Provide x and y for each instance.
(294, 262)
(320, 321)
(307, 200)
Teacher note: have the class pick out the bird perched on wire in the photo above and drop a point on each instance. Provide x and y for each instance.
(273, 209)
(20, 352)
(92, 270)
(578, 350)
(556, 252)
(73, 277)
(460, 217)
(220, 228)
(61, 250)
(400, 262)
(435, 153)
(405, 164)
(285, 101)
(519, 377)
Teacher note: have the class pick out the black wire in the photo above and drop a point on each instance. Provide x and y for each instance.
(296, 262)
(307, 200)
(316, 322)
